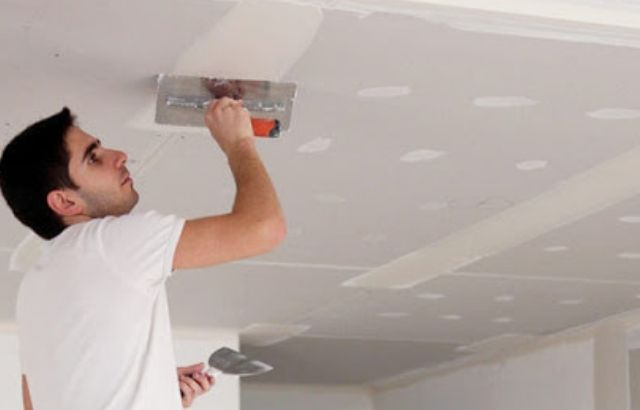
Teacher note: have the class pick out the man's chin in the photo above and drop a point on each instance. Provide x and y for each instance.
(128, 207)
(132, 204)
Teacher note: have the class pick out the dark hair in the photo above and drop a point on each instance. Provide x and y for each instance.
(33, 164)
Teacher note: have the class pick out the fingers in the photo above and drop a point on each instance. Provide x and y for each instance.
(187, 394)
(224, 103)
(187, 370)
(218, 108)
(229, 122)
(190, 390)
(194, 386)
(204, 381)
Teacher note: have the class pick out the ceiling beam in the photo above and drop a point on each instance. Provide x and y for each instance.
(600, 187)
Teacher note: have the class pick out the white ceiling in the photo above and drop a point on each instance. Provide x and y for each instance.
(367, 179)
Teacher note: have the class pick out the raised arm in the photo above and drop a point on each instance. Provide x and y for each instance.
(255, 224)
(26, 396)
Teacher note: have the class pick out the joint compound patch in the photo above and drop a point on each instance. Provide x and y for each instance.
(384, 92)
(451, 317)
(629, 255)
(421, 155)
(329, 198)
(317, 145)
(504, 298)
(504, 102)
(570, 302)
(393, 315)
(431, 296)
(532, 165)
(630, 219)
(614, 114)
(556, 249)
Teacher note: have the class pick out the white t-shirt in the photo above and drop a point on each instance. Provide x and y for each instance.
(93, 318)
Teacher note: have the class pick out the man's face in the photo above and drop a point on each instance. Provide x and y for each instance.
(105, 186)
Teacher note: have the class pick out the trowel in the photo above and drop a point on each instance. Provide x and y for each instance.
(231, 362)
(182, 101)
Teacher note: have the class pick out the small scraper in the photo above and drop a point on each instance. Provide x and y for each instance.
(183, 99)
(233, 363)
(228, 361)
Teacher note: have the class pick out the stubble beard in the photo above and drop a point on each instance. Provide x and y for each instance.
(100, 204)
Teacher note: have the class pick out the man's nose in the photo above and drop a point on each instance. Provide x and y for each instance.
(121, 158)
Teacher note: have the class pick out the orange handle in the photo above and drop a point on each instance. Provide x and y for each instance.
(265, 127)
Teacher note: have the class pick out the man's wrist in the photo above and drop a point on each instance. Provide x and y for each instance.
(241, 146)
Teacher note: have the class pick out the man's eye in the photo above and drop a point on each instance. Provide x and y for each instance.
(93, 158)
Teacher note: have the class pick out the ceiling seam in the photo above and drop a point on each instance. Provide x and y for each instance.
(154, 155)
(334, 337)
(542, 278)
(304, 265)
(567, 202)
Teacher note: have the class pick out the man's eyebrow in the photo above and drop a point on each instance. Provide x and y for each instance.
(95, 144)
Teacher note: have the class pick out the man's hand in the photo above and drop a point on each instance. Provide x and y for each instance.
(193, 383)
(229, 123)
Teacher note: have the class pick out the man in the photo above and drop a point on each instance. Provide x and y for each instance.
(92, 314)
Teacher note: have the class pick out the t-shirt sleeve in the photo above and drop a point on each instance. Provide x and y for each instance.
(140, 247)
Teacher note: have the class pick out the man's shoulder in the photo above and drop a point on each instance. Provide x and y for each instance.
(128, 218)
(135, 226)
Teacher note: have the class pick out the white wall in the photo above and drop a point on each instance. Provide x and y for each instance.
(565, 373)
(557, 377)
(191, 348)
(10, 374)
(297, 397)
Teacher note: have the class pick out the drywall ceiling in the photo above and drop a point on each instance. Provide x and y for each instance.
(418, 130)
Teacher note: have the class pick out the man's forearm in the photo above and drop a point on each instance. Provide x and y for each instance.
(256, 195)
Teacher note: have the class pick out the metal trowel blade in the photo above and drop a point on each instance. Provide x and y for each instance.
(249, 368)
(232, 362)
(182, 100)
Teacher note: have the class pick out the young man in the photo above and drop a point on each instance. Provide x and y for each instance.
(92, 314)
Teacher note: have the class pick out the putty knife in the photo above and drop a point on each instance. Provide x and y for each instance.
(228, 361)
(183, 99)
(231, 362)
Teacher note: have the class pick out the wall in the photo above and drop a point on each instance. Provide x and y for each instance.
(191, 348)
(295, 397)
(10, 387)
(587, 372)
(556, 377)
(634, 375)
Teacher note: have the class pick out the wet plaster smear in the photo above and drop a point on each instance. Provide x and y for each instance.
(289, 27)
(265, 38)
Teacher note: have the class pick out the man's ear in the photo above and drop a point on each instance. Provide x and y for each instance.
(64, 203)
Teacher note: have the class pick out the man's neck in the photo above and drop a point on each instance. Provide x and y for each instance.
(76, 219)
